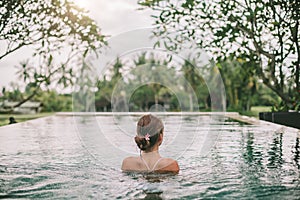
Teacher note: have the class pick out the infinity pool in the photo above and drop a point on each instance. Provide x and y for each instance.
(79, 157)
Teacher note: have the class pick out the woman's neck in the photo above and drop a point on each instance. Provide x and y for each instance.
(152, 153)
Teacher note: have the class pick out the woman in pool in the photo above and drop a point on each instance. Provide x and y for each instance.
(149, 138)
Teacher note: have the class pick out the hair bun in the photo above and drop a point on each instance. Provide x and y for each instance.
(142, 143)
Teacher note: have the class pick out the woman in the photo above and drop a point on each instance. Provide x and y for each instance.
(149, 138)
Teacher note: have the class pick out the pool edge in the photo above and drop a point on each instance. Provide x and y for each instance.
(258, 122)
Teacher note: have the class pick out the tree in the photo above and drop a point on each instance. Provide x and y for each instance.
(43, 76)
(14, 95)
(51, 28)
(147, 80)
(54, 102)
(51, 100)
(141, 98)
(240, 84)
(264, 33)
(83, 91)
(195, 83)
(46, 25)
(106, 85)
(266, 97)
(153, 74)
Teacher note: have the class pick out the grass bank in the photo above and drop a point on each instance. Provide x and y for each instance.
(255, 110)
(4, 118)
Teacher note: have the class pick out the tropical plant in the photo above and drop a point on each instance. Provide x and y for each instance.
(240, 84)
(265, 34)
(106, 84)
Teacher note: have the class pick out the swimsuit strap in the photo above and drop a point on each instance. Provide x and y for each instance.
(148, 165)
(145, 163)
(156, 163)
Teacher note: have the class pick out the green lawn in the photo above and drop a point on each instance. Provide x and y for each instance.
(255, 110)
(21, 117)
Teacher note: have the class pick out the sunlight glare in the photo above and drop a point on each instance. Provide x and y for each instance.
(81, 3)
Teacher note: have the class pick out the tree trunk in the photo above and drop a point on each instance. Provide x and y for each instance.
(191, 102)
(156, 102)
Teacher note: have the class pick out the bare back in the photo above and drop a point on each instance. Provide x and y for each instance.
(162, 165)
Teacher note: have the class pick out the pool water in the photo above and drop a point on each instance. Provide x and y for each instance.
(80, 156)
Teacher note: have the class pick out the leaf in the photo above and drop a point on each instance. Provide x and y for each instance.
(157, 44)
(85, 52)
(50, 60)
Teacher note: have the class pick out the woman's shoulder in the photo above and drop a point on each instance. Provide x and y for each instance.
(130, 158)
(129, 163)
(168, 165)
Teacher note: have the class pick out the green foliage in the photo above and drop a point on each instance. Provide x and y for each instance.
(52, 28)
(264, 34)
(243, 89)
(53, 102)
(194, 83)
(13, 95)
(83, 95)
(152, 81)
(239, 83)
(106, 85)
(142, 98)
(47, 25)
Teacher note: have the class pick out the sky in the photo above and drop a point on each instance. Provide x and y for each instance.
(114, 17)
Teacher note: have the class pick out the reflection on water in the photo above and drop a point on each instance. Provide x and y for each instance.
(275, 152)
(297, 153)
(252, 154)
(65, 157)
